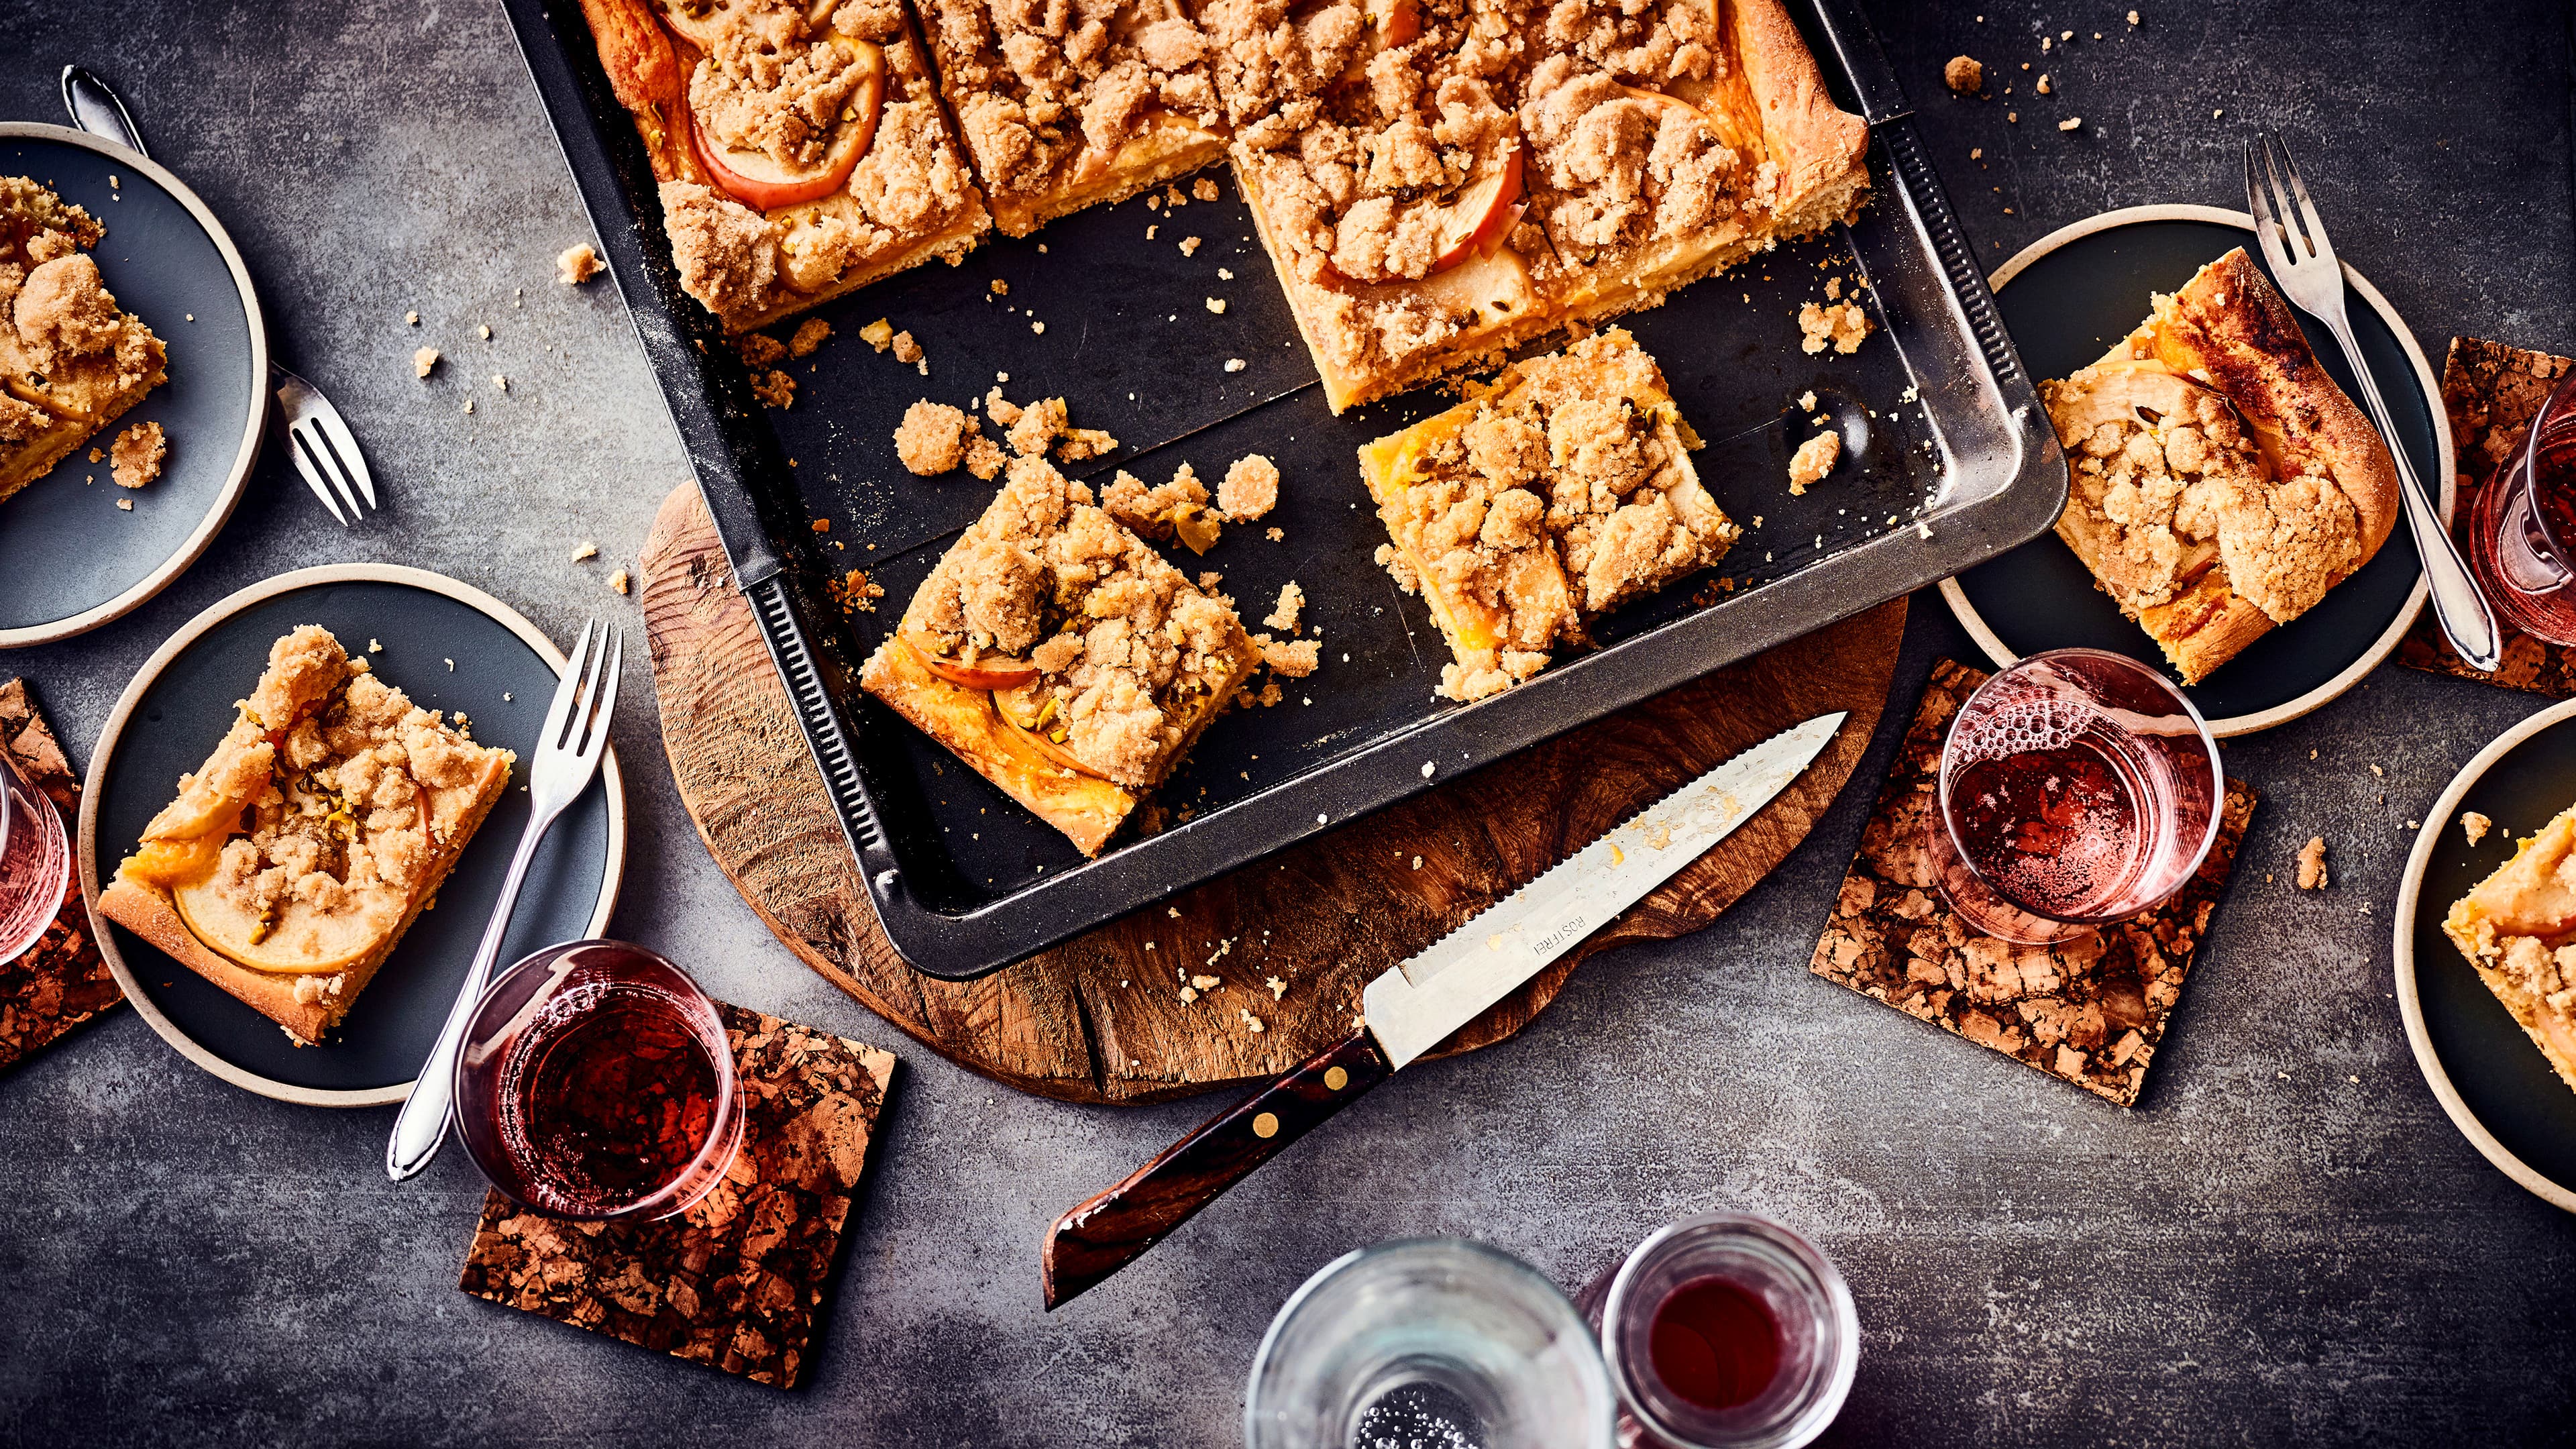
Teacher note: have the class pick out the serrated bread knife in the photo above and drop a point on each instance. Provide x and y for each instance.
(1417, 1004)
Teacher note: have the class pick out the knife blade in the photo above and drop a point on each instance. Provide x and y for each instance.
(1417, 1004)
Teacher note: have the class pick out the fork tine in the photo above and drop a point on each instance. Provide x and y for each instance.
(577, 732)
(607, 702)
(2307, 209)
(312, 477)
(344, 445)
(326, 461)
(2301, 247)
(2261, 205)
(566, 690)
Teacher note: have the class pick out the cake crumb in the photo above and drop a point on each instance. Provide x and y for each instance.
(1283, 615)
(375, 648)
(1216, 305)
(423, 361)
(775, 389)
(588, 550)
(854, 592)
(1965, 75)
(810, 334)
(1278, 988)
(1234, 364)
(500, 382)
(1807, 401)
(1204, 189)
(484, 332)
(2133, 17)
(1190, 246)
(138, 454)
(2312, 864)
(617, 581)
(1290, 660)
(2042, 86)
(931, 439)
(2473, 825)
(1814, 459)
(1000, 288)
(1276, 535)
(1207, 983)
(1249, 490)
(2071, 123)
(1038, 327)
(577, 264)
(469, 406)
(878, 334)
(1251, 1022)
(126, 503)
(905, 349)
(1843, 325)
(1172, 197)
(96, 456)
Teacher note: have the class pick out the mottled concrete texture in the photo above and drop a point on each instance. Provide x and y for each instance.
(2247, 1258)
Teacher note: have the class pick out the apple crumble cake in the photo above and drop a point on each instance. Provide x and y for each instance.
(315, 834)
(2518, 928)
(801, 148)
(1439, 180)
(71, 361)
(2221, 482)
(1069, 105)
(1554, 494)
(1060, 657)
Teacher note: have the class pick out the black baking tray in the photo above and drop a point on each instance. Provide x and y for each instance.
(1949, 461)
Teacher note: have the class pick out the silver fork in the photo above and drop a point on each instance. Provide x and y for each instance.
(567, 756)
(2294, 242)
(321, 445)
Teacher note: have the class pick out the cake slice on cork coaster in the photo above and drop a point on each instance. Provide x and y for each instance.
(2491, 392)
(60, 982)
(2090, 1011)
(736, 1282)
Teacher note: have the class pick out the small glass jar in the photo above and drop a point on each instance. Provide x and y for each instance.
(35, 861)
(1817, 1342)
(588, 1044)
(1458, 1343)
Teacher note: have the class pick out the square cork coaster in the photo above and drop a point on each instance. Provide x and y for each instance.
(2089, 1011)
(736, 1282)
(60, 982)
(2491, 391)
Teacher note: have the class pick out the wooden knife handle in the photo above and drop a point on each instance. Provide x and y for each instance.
(1115, 1228)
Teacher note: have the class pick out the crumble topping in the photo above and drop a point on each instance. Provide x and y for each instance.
(1845, 326)
(1964, 75)
(2168, 483)
(22, 421)
(932, 438)
(727, 257)
(138, 454)
(770, 86)
(1249, 490)
(577, 264)
(1175, 510)
(1814, 459)
(810, 335)
(1129, 654)
(2474, 826)
(1283, 615)
(2312, 864)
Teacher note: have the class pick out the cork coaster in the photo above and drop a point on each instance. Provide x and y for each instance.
(60, 982)
(736, 1282)
(2090, 1011)
(2491, 390)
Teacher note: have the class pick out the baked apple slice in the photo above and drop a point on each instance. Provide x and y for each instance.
(1003, 673)
(759, 180)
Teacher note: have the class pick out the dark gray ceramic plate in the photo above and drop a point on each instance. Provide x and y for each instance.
(180, 704)
(2066, 299)
(70, 559)
(2493, 1081)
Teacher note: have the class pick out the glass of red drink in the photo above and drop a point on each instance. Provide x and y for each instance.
(2522, 526)
(35, 861)
(2077, 788)
(1726, 1331)
(595, 1083)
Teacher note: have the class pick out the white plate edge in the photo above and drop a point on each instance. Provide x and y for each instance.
(2245, 724)
(612, 877)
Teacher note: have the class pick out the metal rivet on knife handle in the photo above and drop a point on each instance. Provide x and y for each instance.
(1334, 1080)
(1266, 1125)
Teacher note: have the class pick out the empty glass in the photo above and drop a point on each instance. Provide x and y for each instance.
(1435, 1342)
(35, 861)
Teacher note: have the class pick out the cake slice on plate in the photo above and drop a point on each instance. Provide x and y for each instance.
(310, 840)
(71, 361)
(1061, 657)
(2518, 928)
(2221, 482)
(1554, 494)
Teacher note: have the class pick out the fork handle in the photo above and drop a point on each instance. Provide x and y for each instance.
(422, 1127)
(2462, 611)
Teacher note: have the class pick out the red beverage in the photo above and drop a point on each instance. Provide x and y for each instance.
(35, 861)
(2522, 526)
(596, 1082)
(1714, 1343)
(2054, 829)
(605, 1103)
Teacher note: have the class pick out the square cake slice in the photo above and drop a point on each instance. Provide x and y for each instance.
(310, 840)
(801, 149)
(1440, 181)
(71, 361)
(1060, 657)
(1554, 494)
(2518, 928)
(1072, 106)
(2221, 482)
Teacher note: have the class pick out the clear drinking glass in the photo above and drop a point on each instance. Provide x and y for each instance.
(1774, 1280)
(35, 861)
(2077, 788)
(596, 1083)
(2522, 526)
(1435, 1342)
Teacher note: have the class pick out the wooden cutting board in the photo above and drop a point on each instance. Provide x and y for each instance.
(1101, 1018)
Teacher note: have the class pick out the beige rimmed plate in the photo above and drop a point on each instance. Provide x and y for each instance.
(2483, 1068)
(2066, 299)
(449, 646)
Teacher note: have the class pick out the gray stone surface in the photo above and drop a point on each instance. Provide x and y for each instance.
(2249, 1257)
